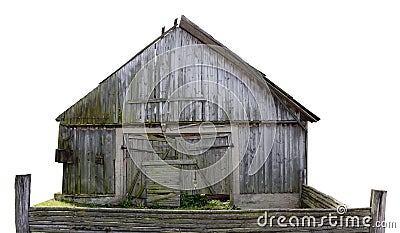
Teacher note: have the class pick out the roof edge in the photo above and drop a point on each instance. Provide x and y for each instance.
(61, 116)
(206, 38)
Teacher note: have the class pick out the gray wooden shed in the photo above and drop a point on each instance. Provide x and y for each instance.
(185, 87)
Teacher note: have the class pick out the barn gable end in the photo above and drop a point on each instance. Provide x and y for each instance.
(103, 105)
(91, 128)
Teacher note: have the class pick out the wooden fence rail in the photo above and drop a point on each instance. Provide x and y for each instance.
(312, 198)
(70, 219)
(61, 219)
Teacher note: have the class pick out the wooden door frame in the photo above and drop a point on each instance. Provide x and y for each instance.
(120, 189)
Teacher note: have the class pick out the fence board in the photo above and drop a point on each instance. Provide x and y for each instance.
(79, 219)
(22, 202)
(378, 207)
(64, 219)
(313, 198)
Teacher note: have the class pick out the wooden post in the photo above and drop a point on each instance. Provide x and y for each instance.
(378, 207)
(235, 196)
(302, 181)
(22, 202)
(119, 164)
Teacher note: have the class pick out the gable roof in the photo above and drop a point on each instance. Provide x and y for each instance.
(204, 37)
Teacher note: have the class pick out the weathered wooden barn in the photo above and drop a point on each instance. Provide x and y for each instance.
(185, 101)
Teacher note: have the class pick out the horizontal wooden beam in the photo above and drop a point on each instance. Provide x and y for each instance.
(169, 162)
(312, 198)
(267, 200)
(52, 219)
(165, 100)
(175, 130)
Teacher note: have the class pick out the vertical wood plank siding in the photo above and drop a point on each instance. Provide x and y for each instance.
(280, 173)
(104, 104)
(246, 99)
(92, 170)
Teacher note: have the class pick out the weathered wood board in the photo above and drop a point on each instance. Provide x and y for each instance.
(53, 219)
(164, 181)
(177, 79)
(93, 150)
(194, 92)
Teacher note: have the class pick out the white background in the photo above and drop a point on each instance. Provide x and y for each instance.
(341, 59)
